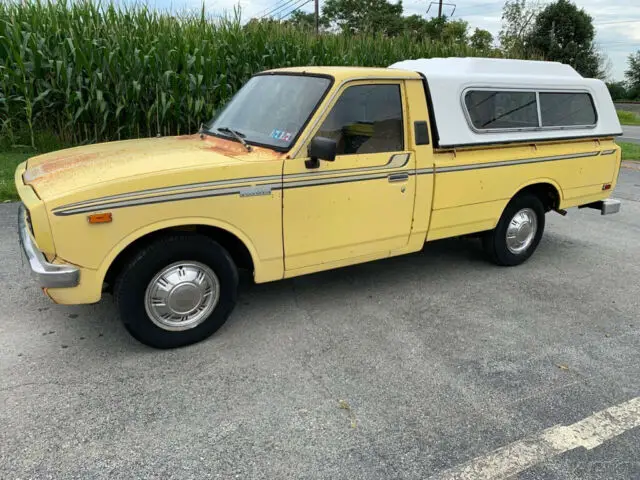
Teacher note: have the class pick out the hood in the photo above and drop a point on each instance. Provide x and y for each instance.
(58, 173)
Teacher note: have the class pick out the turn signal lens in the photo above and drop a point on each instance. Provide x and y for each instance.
(100, 218)
(606, 186)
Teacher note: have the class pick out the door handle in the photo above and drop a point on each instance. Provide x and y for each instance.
(398, 177)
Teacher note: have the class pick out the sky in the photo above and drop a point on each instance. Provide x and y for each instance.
(617, 22)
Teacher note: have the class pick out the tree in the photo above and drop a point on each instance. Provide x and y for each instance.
(518, 18)
(440, 29)
(365, 16)
(455, 31)
(481, 39)
(306, 20)
(617, 90)
(632, 74)
(415, 25)
(564, 33)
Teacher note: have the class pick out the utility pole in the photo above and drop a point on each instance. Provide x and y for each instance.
(317, 5)
(440, 9)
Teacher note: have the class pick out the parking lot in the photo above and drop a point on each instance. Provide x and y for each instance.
(413, 367)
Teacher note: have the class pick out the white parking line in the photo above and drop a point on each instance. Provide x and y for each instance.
(518, 456)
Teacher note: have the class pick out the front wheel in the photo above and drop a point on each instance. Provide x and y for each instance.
(176, 291)
(518, 232)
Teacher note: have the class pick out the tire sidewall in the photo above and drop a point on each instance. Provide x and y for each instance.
(134, 280)
(503, 255)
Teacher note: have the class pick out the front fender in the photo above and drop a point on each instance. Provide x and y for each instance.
(263, 271)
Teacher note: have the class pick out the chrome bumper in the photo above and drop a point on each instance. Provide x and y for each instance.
(47, 274)
(606, 207)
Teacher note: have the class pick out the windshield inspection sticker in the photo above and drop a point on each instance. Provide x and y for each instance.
(281, 135)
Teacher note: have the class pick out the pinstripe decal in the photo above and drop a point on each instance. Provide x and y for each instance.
(398, 160)
(216, 192)
(264, 185)
(395, 161)
(507, 163)
(174, 188)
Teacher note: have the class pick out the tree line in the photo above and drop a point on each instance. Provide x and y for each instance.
(629, 89)
(560, 31)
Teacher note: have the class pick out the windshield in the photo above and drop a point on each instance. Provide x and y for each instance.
(271, 109)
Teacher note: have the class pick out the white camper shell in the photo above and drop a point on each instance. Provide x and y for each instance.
(484, 101)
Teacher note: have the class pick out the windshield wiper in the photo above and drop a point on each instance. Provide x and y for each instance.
(237, 135)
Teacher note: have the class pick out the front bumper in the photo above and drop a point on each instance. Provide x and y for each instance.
(606, 207)
(48, 275)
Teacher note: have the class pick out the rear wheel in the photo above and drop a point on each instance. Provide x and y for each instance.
(176, 291)
(518, 232)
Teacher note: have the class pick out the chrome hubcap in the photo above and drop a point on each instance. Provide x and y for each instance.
(522, 230)
(182, 295)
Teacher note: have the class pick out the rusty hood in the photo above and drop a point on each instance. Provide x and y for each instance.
(58, 173)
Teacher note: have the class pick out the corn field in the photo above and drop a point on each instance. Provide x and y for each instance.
(89, 72)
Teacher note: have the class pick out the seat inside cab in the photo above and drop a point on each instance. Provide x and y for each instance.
(366, 119)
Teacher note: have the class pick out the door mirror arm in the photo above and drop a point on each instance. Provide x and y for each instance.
(321, 148)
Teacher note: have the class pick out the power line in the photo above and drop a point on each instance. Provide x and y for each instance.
(280, 7)
(265, 10)
(620, 43)
(498, 5)
(295, 8)
(270, 8)
(617, 22)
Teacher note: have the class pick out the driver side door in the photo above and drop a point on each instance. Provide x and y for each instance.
(360, 206)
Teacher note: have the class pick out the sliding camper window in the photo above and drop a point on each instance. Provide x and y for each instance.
(503, 110)
(567, 109)
(491, 110)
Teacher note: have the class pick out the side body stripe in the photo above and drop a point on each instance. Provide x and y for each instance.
(254, 186)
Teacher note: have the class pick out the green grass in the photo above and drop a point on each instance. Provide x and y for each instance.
(14, 149)
(630, 151)
(8, 163)
(628, 118)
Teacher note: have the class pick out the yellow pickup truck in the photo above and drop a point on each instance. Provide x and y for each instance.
(308, 169)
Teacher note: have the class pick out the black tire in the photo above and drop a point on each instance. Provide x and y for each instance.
(131, 285)
(494, 242)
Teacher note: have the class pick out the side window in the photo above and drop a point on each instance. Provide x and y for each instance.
(501, 109)
(567, 109)
(366, 119)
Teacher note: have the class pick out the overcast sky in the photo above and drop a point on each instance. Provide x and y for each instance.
(617, 21)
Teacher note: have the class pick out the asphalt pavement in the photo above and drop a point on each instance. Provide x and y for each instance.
(631, 133)
(413, 367)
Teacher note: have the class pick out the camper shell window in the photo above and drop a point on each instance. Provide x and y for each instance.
(491, 110)
(567, 109)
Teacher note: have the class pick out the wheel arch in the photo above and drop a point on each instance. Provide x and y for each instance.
(238, 245)
(546, 189)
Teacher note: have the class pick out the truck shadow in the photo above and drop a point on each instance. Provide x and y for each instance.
(96, 327)
(435, 261)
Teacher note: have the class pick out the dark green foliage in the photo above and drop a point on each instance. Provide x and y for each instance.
(365, 16)
(481, 39)
(564, 33)
(632, 74)
(618, 90)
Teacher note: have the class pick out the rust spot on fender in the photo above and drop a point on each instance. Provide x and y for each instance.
(235, 149)
(47, 170)
(64, 162)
